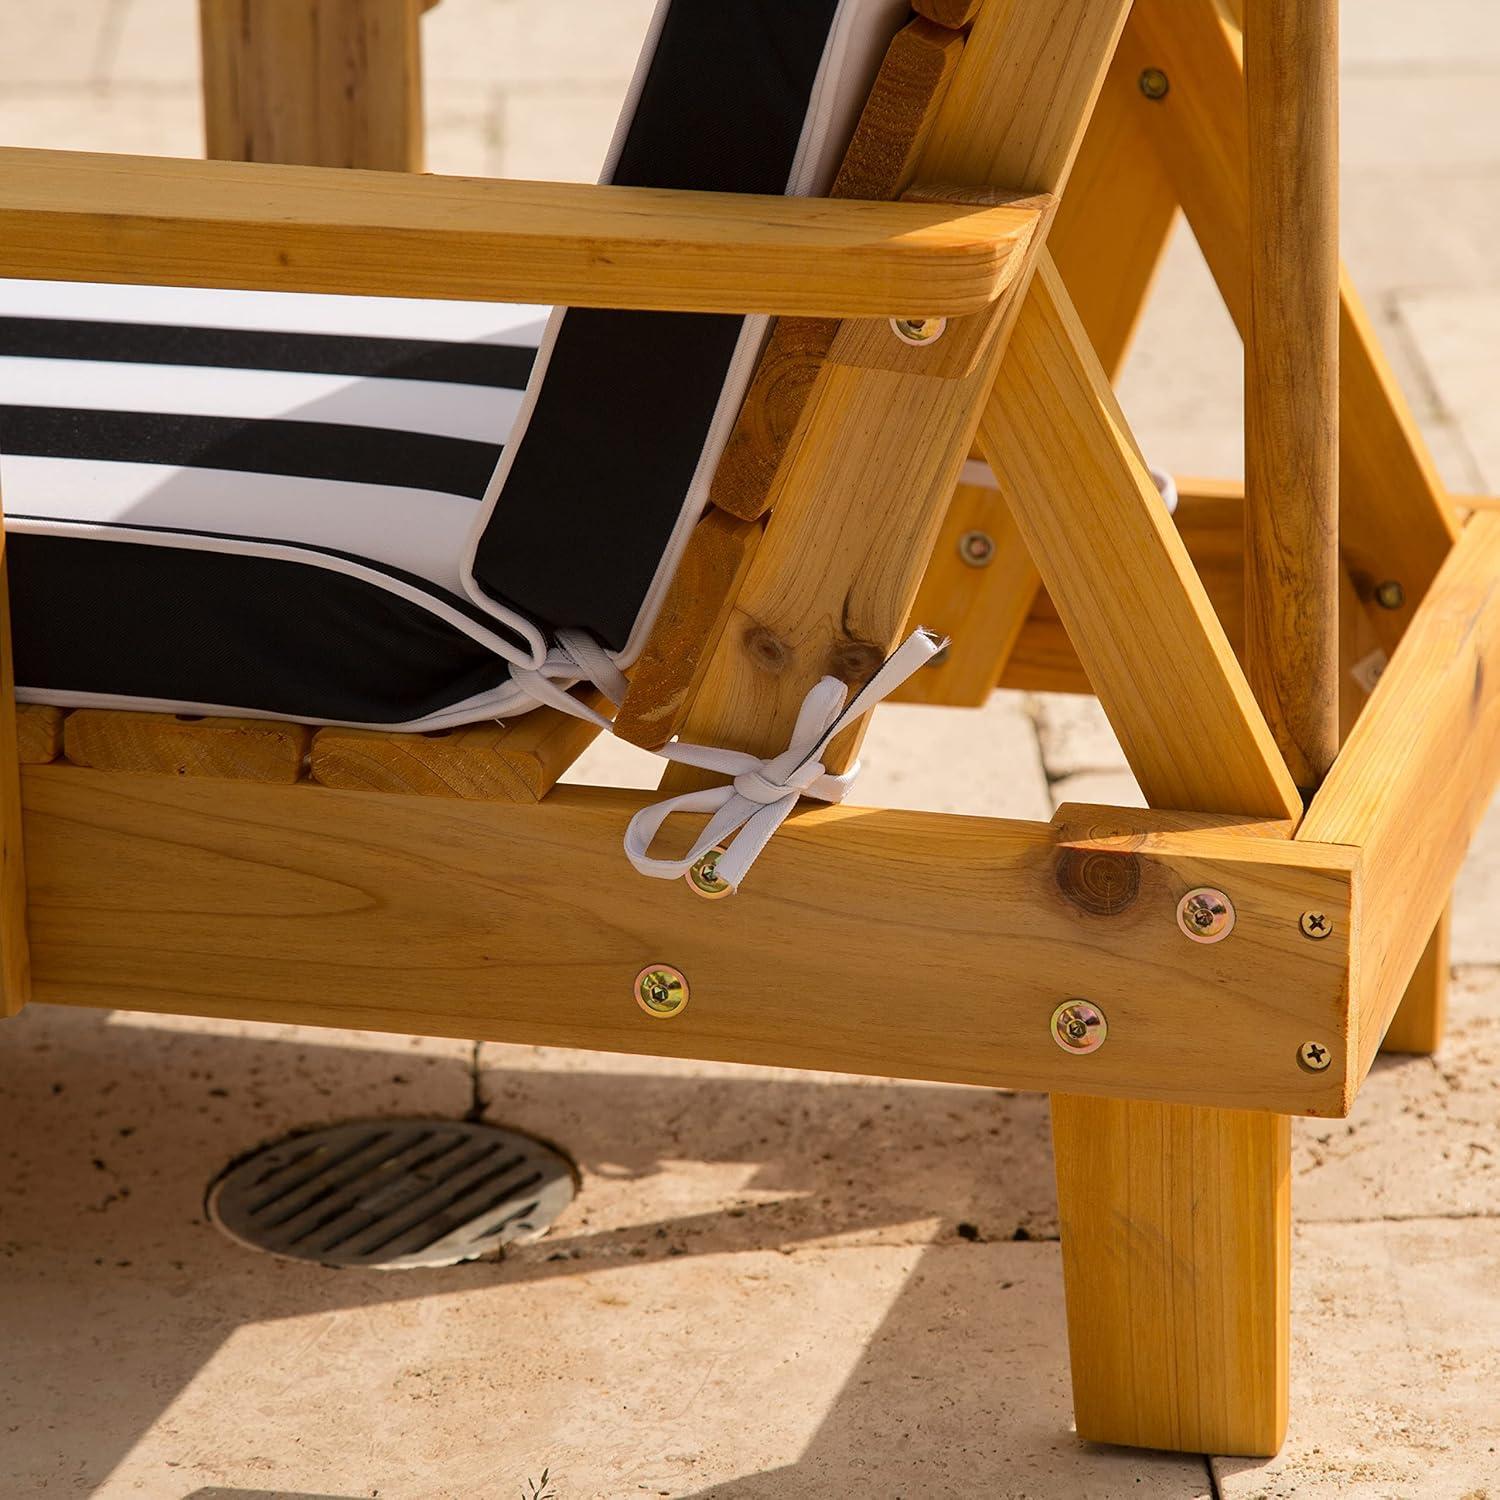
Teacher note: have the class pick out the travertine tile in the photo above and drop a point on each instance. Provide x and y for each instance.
(1075, 735)
(1458, 334)
(1394, 1366)
(61, 42)
(969, 760)
(148, 124)
(1424, 1137)
(1400, 39)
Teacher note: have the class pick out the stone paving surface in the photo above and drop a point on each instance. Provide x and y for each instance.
(771, 1283)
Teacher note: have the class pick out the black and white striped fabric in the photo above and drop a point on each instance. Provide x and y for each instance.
(382, 512)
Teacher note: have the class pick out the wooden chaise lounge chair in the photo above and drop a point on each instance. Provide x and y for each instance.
(314, 597)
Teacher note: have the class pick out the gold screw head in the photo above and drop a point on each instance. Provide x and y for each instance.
(1079, 1026)
(918, 331)
(1154, 83)
(976, 548)
(661, 991)
(1315, 924)
(1205, 915)
(703, 879)
(1314, 1056)
(1390, 594)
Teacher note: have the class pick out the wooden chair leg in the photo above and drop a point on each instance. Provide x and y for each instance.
(1420, 1018)
(318, 83)
(1176, 1241)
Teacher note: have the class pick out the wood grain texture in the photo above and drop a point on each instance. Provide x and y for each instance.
(15, 952)
(976, 608)
(882, 156)
(1180, 1211)
(520, 923)
(177, 745)
(1422, 1015)
(1396, 521)
(872, 343)
(1418, 771)
(832, 584)
(1120, 576)
(332, 83)
(1118, 194)
(39, 733)
(519, 760)
(688, 627)
(73, 216)
(1292, 380)
(1209, 521)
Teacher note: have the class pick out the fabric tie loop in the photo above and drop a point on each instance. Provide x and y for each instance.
(761, 792)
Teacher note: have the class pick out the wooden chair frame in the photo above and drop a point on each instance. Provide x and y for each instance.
(277, 873)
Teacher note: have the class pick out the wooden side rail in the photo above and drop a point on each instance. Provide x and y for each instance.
(877, 942)
(1417, 773)
(78, 216)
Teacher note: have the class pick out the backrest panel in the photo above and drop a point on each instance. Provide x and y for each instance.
(754, 96)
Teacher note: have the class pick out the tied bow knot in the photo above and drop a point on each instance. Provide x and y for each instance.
(763, 792)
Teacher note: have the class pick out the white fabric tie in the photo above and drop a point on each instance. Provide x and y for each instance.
(763, 790)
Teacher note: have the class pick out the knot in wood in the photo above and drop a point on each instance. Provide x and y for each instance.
(766, 650)
(1100, 882)
(855, 662)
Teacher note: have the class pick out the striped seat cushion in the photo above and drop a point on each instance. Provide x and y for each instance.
(368, 511)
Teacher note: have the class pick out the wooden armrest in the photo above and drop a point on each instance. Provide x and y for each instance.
(75, 216)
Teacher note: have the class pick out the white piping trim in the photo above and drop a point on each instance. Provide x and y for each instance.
(278, 552)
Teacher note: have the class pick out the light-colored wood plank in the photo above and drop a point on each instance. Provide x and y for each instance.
(73, 216)
(1209, 521)
(1120, 576)
(833, 582)
(1291, 380)
(332, 83)
(1395, 519)
(515, 761)
(15, 951)
(692, 618)
(522, 923)
(178, 745)
(1418, 771)
(39, 733)
(960, 343)
(978, 617)
(1118, 194)
(880, 162)
(1422, 1014)
(1178, 1210)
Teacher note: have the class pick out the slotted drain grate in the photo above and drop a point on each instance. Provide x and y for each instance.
(393, 1193)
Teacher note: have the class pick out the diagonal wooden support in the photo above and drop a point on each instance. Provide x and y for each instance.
(1118, 195)
(1120, 575)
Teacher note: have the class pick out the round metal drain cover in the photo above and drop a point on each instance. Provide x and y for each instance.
(393, 1193)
